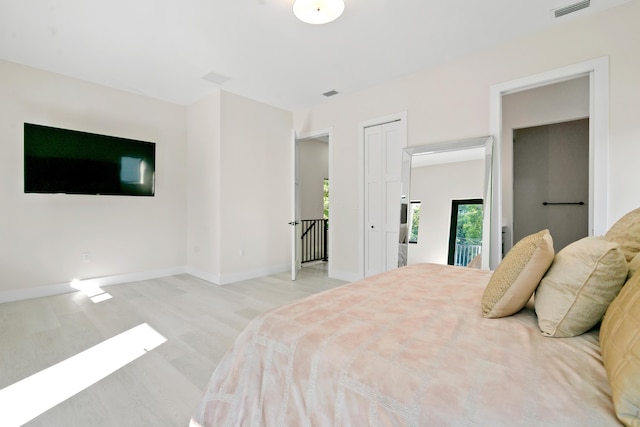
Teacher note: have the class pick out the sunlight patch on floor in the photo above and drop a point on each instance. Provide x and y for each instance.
(94, 292)
(34, 395)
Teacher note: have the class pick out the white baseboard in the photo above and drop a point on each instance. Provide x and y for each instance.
(62, 288)
(38, 292)
(204, 275)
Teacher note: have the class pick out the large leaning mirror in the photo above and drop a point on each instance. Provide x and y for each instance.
(445, 208)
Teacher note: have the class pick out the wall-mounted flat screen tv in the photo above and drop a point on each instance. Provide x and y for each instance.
(72, 162)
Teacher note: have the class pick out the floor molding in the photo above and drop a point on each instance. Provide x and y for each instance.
(204, 275)
(63, 288)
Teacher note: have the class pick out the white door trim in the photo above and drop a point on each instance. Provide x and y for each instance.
(598, 72)
(295, 221)
(402, 118)
(328, 132)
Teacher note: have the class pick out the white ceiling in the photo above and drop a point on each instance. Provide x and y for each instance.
(163, 48)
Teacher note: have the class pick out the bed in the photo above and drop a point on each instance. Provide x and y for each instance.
(411, 347)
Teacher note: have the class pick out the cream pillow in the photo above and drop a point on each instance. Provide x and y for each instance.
(518, 275)
(627, 232)
(576, 291)
(620, 344)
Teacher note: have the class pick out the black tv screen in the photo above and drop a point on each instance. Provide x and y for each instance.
(72, 162)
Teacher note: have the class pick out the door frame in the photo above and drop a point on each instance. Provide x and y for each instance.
(395, 117)
(295, 222)
(315, 134)
(598, 72)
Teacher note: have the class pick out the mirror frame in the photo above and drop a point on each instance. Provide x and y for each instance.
(409, 153)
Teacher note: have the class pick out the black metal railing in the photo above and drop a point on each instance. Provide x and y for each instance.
(314, 239)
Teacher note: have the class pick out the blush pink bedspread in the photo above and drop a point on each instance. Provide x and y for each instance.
(406, 348)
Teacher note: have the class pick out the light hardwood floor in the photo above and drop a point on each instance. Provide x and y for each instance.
(162, 387)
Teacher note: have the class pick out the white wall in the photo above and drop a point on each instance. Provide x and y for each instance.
(223, 220)
(203, 188)
(451, 101)
(314, 169)
(555, 103)
(44, 236)
(256, 179)
(436, 186)
(240, 178)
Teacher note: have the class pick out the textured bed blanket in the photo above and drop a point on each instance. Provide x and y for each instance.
(406, 348)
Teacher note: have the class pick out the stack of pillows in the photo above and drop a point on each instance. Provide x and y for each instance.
(574, 289)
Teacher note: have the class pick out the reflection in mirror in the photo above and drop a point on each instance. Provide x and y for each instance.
(465, 235)
(436, 179)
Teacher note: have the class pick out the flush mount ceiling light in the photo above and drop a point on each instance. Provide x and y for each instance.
(318, 11)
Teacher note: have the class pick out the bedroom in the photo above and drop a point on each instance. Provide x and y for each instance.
(192, 224)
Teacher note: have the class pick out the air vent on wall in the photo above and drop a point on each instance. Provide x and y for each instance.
(330, 93)
(572, 8)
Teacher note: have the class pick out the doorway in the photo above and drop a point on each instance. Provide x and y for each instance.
(597, 72)
(551, 181)
(314, 185)
(312, 178)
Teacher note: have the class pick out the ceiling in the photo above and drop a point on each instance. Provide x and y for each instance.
(164, 48)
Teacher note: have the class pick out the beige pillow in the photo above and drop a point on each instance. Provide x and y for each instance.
(476, 262)
(634, 265)
(576, 291)
(518, 275)
(627, 232)
(620, 344)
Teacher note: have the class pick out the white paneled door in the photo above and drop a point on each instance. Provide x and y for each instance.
(383, 146)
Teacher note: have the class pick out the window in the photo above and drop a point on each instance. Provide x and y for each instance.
(414, 221)
(465, 233)
(325, 198)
